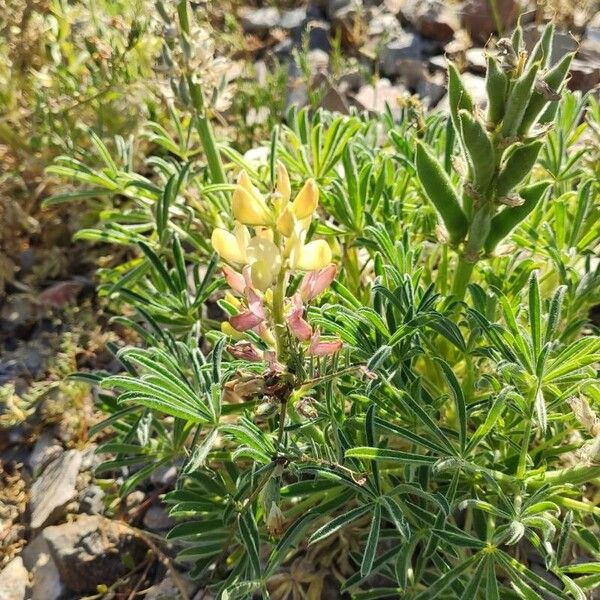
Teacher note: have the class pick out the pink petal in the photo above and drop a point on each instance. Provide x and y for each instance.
(323, 348)
(246, 320)
(272, 362)
(234, 279)
(245, 351)
(255, 303)
(316, 282)
(298, 326)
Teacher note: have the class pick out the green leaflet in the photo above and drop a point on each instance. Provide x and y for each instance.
(516, 168)
(517, 102)
(459, 97)
(542, 50)
(496, 83)
(440, 191)
(506, 220)
(479, 149)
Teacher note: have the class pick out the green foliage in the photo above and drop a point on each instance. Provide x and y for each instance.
(450, 449)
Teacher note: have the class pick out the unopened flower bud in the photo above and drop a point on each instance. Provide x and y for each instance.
(307, 200)
(275, 521)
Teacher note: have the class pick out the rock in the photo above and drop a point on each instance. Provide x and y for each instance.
(292, 19)
(54, 489)
(158, 519)
(259, 20)
(374, 99)
(475, 85)
(476, 60)
(92, 501)
(477, 17)
(342, 10)
(134, 499)
(334, 101)
(45, 578)
(438, 63)
(164, 476)
(318, 35)
(351, 81)
(435, 20)
(45, 449)
(167, 590)
(404, 46)
(584, 75)
(431, 89)
(90, 551)
(384, 23)
(13, 580)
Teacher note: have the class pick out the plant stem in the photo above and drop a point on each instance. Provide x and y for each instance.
(462, 276)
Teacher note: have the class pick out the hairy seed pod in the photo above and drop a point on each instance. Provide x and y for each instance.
(439, 190)
(517, 102)
(553, 79)
(458, 95)
(496, 83)
(517, 38)
(541, 51)
(517, 167)
(479, 149)
(506, 220)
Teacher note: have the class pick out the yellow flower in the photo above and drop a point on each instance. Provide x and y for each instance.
(286, 222)
(313, 256)
(284, 188)
(231, 246)
(227, 329)
(306, 201)
(248, 205)
(264, 259)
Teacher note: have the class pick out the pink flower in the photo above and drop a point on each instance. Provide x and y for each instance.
(245, 351)
(298, 326)
(252, 317)
(316, 282)
(234, 279)
(272, 362)
(323, 348)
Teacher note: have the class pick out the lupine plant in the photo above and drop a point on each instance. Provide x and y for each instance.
(357, 401)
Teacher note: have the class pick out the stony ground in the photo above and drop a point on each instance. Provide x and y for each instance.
(64, 533)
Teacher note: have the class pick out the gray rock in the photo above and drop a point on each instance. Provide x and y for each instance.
(134, 499)
(343, 10)
(54, 489)
(477, 18)
(476, 87)
(318, 35)
(13, 580)
(89, 551)
(584, 75)
(402, 47)
(431, 89)
(167, 590)
(164, 476)
(92, 501)
(562, 42)
(292, 19)
(45, 578)
(334, 101)
(476, 60)
(375, 98)
(259, 20)
(438, 63)
(435, 20)
(158, 519)
(45, 449)
(384, 23)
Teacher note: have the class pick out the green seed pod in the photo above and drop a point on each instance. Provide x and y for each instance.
(518, 100)
(553, 79)
(517, 37)
(506, 220)
(479, 149)
(440, 192)
(496, 83)
(516, 168)
(541, 51)
(458, 95)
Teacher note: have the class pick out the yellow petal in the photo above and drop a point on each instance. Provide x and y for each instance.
(226, 245)
(249, 209)
(286, 222)
(265, 262)
(264, 232)
(262, 275)
(245, 182)
(283, 183)
(242, 234)
(307, 200)
(227, 329)
(314, 256)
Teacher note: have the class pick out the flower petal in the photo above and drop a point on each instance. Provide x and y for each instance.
(298, 326)
(318, 347)
(316, 282)
(307, 200)
(248, 209)
(227, 246)
(246, 320)
(234, 279)
(283, 183)
(313, 256)
(245, 350)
